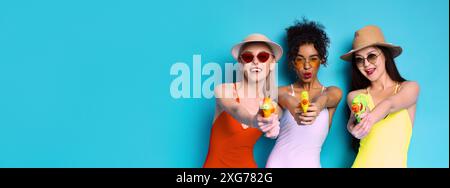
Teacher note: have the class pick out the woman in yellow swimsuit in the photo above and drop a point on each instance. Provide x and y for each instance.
(385, 128)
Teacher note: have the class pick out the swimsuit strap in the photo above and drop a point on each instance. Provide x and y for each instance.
(292, 91)
(397, 85)
(235, 90)
(396, 88)
(323, 89)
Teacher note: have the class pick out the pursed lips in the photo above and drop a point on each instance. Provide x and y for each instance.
(307, 75)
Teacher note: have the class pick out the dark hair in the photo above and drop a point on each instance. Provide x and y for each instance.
(359, 81)
(307, 32)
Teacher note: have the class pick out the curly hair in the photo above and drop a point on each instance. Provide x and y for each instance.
(307, 32)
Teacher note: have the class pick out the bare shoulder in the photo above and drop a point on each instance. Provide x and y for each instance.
(284, 89)
(334, 89)
(410, 85)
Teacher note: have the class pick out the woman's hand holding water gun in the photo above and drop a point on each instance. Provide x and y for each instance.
(308, 117)
(361, 129)
(267, 120)
(270, 125)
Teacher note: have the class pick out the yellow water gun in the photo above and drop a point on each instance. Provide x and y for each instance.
(304, 101)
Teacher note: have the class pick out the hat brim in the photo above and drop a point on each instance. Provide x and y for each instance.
(276, 49)
(395, 50)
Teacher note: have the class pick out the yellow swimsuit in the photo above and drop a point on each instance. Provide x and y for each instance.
(386, 145)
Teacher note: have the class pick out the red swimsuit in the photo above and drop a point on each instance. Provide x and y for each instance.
(230, 145)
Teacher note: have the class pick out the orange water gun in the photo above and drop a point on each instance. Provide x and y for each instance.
(267, 107)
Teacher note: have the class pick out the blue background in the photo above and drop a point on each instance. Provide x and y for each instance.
(86, 84)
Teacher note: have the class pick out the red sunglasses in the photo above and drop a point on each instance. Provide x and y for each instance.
(248, 57)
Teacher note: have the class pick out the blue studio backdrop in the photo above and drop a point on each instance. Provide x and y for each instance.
(87, 83)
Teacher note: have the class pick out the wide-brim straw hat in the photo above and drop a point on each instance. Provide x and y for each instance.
(370, 36)
(257, 37)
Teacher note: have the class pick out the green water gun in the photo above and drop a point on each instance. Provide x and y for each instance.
(359, 106)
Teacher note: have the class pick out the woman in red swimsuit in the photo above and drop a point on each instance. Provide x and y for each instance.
(237, 124)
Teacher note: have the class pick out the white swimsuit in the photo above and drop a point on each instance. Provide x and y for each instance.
(299, 146)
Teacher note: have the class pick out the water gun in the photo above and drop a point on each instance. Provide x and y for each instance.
(359, 106)
(267, 107)
(304, 101)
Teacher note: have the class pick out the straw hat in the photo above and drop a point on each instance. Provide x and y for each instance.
(370, 36)
(256, 37)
